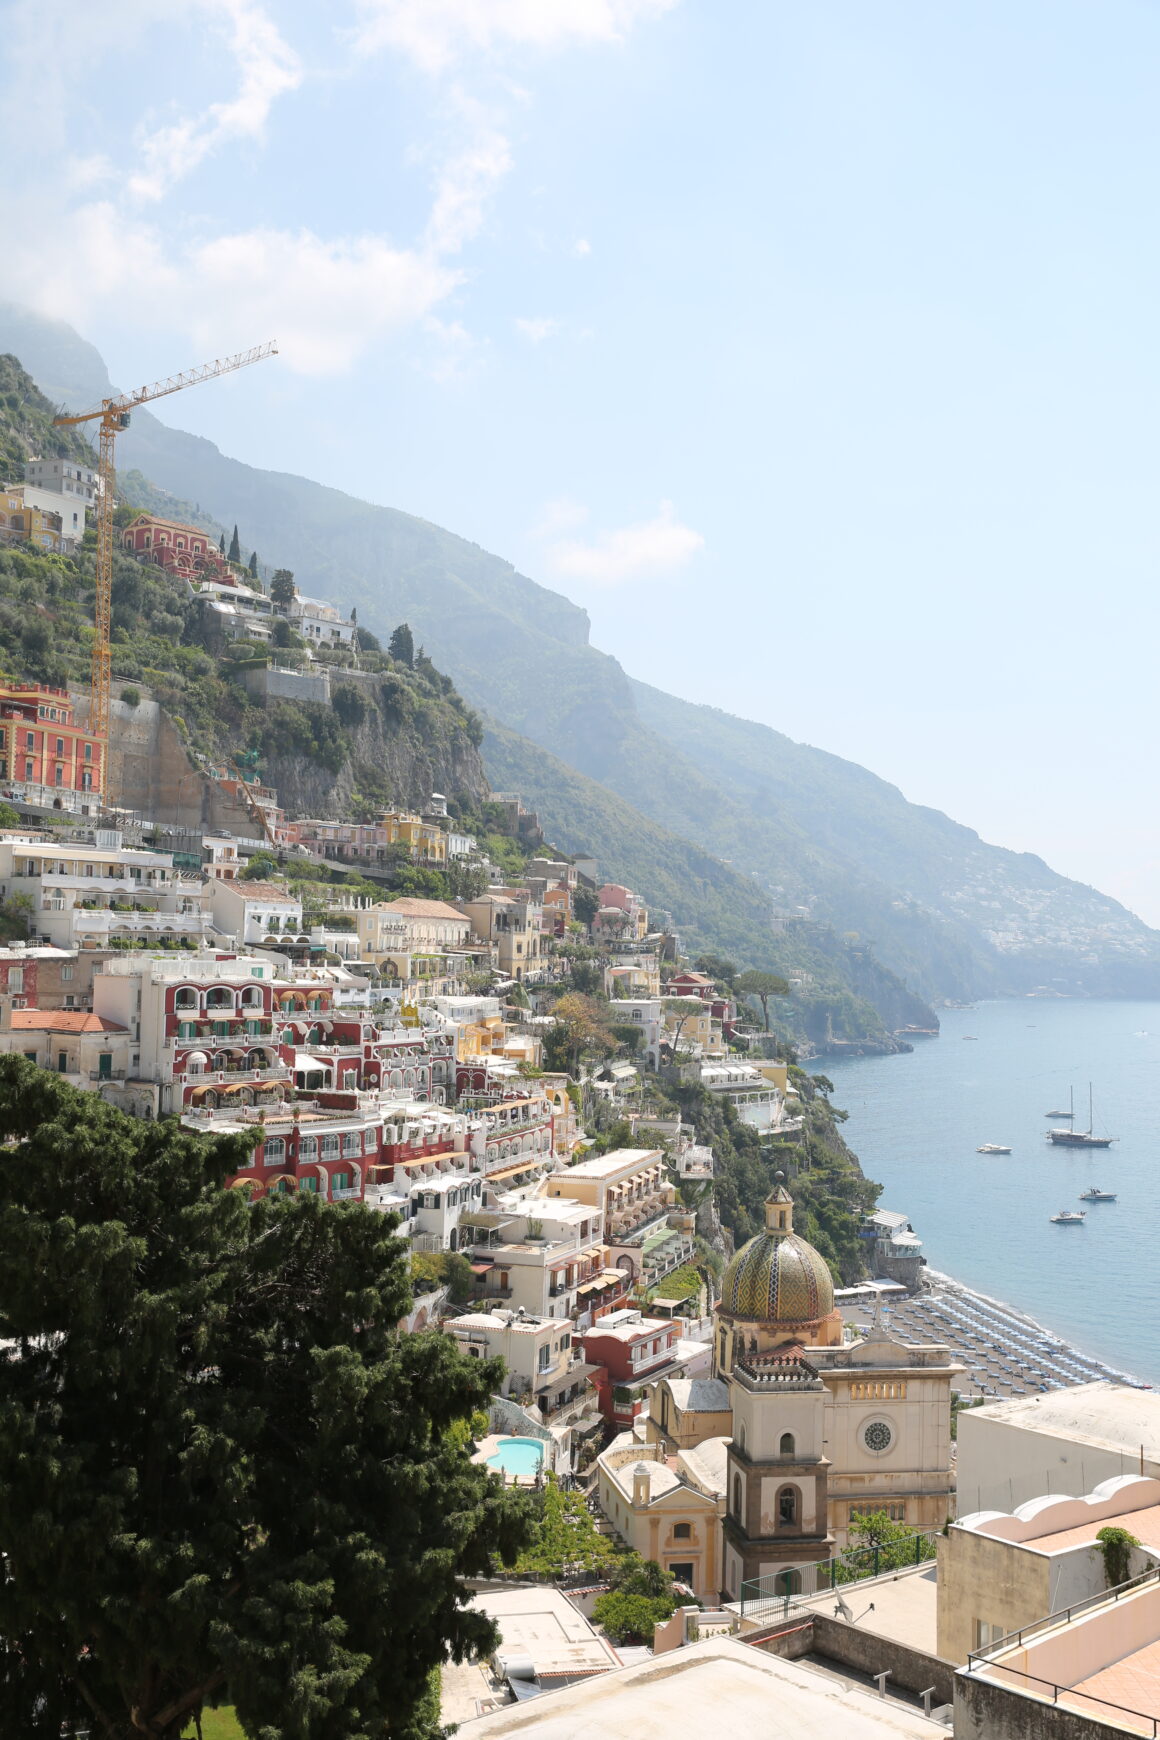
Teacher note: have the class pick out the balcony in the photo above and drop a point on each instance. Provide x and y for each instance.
(345, 1195)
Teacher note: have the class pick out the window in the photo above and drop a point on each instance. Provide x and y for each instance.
(340, 1180)
(60, 746)
(352, 1143)
(30, 740)
(877, 1437)
(62, 1061)
(683, 1573)
(88, 752)
(786, 1447)
(307, 1147)
(16, 978)
(787, 1508)
(682, 1531)
(737, 1496)
(66, 974)
(274, 1151)
(987, 1633)
(28, 769)
(309, 1184)
(330, 1147)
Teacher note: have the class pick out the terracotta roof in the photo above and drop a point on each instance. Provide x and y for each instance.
(425, 909)
(63, 1021)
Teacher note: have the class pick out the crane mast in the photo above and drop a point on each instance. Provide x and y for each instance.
(114, 416)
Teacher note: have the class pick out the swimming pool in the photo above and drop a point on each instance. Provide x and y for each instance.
(518, 1456)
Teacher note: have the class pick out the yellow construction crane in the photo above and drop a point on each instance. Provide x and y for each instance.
(114, 416)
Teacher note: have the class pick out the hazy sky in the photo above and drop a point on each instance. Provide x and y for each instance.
(810, 346)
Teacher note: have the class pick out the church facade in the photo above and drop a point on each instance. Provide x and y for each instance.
(822, 1430)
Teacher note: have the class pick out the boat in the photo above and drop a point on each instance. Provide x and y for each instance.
(1093, 1193)
(1069, 1217)
(1080, 1138)
(969, 1036)
(992, 1148)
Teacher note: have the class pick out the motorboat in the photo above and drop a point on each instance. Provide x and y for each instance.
(1093, 1193)
(992, 1148)
(1069, 1217)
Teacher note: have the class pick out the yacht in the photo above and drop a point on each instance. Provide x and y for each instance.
(1093, 1193)
(1069, 1217)
(1080, 1138)
(992, 1148)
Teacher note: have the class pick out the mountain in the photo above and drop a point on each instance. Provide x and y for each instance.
(816, 837)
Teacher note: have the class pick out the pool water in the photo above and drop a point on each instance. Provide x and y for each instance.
(518, 1456)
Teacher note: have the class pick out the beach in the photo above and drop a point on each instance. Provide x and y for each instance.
(1005, 1352)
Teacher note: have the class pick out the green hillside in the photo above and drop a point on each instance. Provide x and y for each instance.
(823, 838)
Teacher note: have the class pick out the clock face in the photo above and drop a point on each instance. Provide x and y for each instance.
(877, 1436)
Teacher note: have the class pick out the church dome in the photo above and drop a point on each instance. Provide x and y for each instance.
(777, 1277)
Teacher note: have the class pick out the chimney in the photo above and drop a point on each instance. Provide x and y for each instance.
(641, 1486)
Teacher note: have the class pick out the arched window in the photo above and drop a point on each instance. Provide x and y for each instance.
(787, 1444)
(741, 1437)
(789, 1582)
(737, 1496)
(274, 1150)
(787, 1507)
(219, 997)
(185, 997)
(682, 1531)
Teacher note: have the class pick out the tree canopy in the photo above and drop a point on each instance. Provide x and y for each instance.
(763, 986)
(224, 1474)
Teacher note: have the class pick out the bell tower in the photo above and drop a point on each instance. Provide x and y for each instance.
(776, 1494)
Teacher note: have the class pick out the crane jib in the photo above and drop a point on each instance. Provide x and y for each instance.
(114, 416)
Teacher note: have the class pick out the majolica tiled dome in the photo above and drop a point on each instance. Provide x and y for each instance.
(777, 1277)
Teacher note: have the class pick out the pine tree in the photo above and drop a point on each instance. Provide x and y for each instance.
(224, 1474)
(282, 589)
(235, 547)
(401, 645)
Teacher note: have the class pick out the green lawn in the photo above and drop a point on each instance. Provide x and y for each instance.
(218, 1725)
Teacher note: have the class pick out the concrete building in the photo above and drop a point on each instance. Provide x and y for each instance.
(1087, 1672)
(46, 756)
(104, 895)
(632, 1352)
(510, 921)
(545, 1366)
(1065, 1441)
(717, 1687)
(257, 912)
(667, 1508)
(999, 1571)
(537, 1254)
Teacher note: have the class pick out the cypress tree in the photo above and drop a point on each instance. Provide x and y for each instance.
(222, 544)
(254, 563)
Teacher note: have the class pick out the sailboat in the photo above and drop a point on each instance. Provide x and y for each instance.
(1080, 1138)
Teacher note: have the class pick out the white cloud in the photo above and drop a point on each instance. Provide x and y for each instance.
(582, 247)
(267, 67)
(637, 552)
(466, 179)
(435, 33)
(536, 331)
(324, 301)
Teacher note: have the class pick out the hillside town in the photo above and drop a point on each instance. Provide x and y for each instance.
(901, 1508)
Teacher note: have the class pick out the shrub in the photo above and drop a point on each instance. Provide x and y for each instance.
(131, 697)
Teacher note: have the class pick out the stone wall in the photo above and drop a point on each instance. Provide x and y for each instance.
(807, 1632)
(985, 1711)
(151, 773)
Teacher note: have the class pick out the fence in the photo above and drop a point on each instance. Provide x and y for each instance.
(772, 1597)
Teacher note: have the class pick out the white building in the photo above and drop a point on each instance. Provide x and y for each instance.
(539, 1253)
(104, 895)
(257, 912)
(1063, 1442)
(63, 477)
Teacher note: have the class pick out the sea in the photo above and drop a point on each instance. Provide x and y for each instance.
(991, 1075)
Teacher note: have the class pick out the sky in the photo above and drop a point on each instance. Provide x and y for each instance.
(811, 348)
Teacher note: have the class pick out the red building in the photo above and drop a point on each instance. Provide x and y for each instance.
(179, 549)
(690, 984)
(41, 743)
(630, 1352)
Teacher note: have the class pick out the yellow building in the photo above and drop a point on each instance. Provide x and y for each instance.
(668, 1508)
(426, 843)
(20, 522)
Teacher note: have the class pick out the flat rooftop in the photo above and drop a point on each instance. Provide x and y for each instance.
(1109, 1415)
(607, 1165)
(718, 1687)
(905, 1606)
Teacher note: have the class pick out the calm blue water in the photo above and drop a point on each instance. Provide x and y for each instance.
(915, 1122)
(517, 1456)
